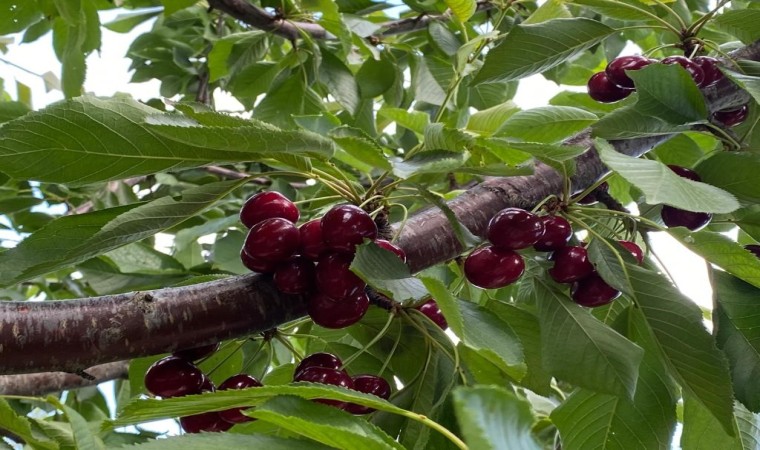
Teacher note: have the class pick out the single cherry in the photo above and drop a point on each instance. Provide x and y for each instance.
(593, 291)
(255, 264)
(335, 279)
(391, 247)
(731, 118)
(430, 308)
(557, 232)
(616, 69)
(197, 353)
(267, 205)
(514, 228)
(570, 264)
(369, 384)
(312, 244)
(329, 313)
(709, 66)
(693, 68)
(210, 422)
(324, 375)
(296, 276)
(634, 249)
(601, 89)
(173, 377)
(675, 217)
(319, 359)
(273, 240)
(491, 268)
(346, 226)
(239, 381)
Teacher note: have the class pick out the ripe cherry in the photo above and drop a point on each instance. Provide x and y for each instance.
(391, 247)
(335, 279)
(274, 240)
(324, 375)
(514, 228)
(239, 381)
(319, 359)
(616, 69)
(312, 244)
(593, 291)
(210, 422)
(570, 264)
(557, 232)
(675, 217)
(369, 384)
(731, 118)
(255, 264)
(709, 66)
(430, 308)
(346, 226)
(601, 89)
(693, 68)
(267, 205)
(296, 276)
(634, 249)
(173, 377)
(491, 268)
(329, 313)
(197, 353)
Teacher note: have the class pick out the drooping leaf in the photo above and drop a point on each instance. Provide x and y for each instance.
(546, 124)
(740, 23)
(629, 123)
(204, 441)
(701, 431)
(462, 9)
(667, 91)
(19, 426)
(735, 172)
(434, 161)
(384, 271)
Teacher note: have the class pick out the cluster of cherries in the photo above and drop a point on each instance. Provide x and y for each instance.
(613, 84)
(312, 259)
(675, 217)
(177, 376)
(326, 368)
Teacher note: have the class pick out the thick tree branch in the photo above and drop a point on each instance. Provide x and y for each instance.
(35, 384)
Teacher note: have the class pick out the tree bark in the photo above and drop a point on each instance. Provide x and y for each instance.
(37, 384)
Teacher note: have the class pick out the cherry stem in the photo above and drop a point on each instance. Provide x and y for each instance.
(252, 359)
(403, 220)
(372, 342)
(219, 364)
(695, 27)
(287, 344)
(318, 199)
(670, 11)
(390, 354)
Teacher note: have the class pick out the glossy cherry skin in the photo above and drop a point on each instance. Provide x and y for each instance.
(514, 228)
(675, 217)
(601, 89)
(684, 172)
(557, 232)
(210, 422)
(592, 291)
(255, 264)
(173, 377)
(731, 118)
(491, 268)
(709, 66)
(319, 359)
(273, 240)
(346, 226)
(754, 248)
(297, 276)
(570, 264)
(382, 243)
(335, 279)
(430, 308)
(634, 249)
(267, 205)
(693, 68)
(197, 353)
(616, 69)
(239, 381)
(207, 385)
(312, 244)
(329, 313)
(369, 384)
(324, 375)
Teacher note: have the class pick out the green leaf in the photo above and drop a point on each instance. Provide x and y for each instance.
(492, 418)
(359, 145)
(610, 264)
(447, 302)
(12, 110)
(375, 77)
(490, 120)
(205, 441)
(551, 9)
(383, 270)
(340, 81)
(433, 161)
(580, 349)
(84, 438)
(73, 64)
(17, 16)
(741, 23)
(751, 84)
(659, 184)
(172, 6)
(702, 432)
(737, 328)
(541, 47)
(668, 92)
(690, 351)
(547, 124)
(76, 238)
(416, 121)
(462, 9)
(424, 85)
(735, 172)
(619, 10)
(124, 23)
(440, 137)
(20, 426)
(629, 123)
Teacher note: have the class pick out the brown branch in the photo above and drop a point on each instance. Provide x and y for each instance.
(34, 384)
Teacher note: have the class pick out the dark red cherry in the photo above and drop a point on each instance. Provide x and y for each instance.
(319, 359)
(693, 68)
(592, 291)
(197, 353)
(557, 232)
(255, 264)
(570, 264)
(324, 375)
(239, 381)
(173, 377)
(675, 217)
(754, 248)
(430, 308)
(335, 279)
(491, 268)
(369, 384)
(709, 66)
(684, 172)
(514, 228)
(296, 276)
(267, 205)
(312, 244)
(346, 226)
(329, 313)
(731, 118)
(601, 89)
(616, 69)
(634, 249)
(274, 240)
(392, 247)
(210, 422)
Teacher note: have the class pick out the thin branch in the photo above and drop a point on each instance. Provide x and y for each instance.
(36, 384)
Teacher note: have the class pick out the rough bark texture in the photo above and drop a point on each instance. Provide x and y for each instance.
(36, 384)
